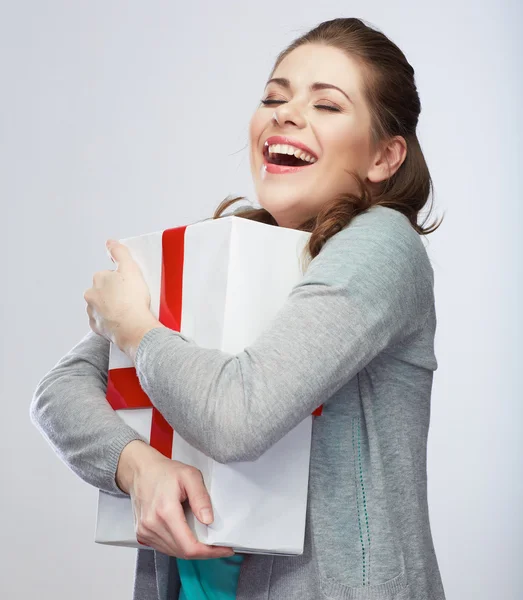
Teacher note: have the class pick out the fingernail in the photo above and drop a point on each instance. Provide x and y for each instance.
(206, 515)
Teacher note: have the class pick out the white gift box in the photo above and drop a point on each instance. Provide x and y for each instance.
(219, 282)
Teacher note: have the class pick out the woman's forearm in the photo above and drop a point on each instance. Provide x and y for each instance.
(70, 410)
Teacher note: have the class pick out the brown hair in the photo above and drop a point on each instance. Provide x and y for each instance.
(394, 104)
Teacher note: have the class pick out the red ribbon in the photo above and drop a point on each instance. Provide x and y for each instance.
(123, 386)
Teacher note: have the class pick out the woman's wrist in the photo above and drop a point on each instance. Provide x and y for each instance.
(131, 457)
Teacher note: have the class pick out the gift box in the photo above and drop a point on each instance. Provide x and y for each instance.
(219, 282)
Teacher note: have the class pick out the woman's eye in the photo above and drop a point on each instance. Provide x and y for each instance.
(322, 106)
(269, 102)
(331, 108)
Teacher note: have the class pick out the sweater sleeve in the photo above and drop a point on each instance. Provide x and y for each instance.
(370, 287)
(70, 410)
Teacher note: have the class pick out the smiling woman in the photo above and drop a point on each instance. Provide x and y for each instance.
(342, 97)
(335, 135)
(355, 335)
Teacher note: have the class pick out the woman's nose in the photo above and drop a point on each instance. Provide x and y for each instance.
(288, 113)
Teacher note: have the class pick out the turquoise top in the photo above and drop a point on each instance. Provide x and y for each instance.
(209, 579)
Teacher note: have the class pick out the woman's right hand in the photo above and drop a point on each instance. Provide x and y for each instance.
(158, 486)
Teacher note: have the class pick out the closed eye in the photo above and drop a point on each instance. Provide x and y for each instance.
(322, 106)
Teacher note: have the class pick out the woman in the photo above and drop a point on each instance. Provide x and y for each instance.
(356, 335)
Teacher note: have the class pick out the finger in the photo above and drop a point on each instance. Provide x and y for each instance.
(184, 540)
(121, 255)
(198, 497)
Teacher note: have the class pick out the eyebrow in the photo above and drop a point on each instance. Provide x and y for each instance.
(318, 85)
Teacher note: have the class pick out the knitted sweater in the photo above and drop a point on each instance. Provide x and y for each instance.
(356, 334)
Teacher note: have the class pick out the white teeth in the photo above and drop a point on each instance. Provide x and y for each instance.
(291, 150)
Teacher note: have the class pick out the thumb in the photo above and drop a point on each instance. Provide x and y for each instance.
(199, 499)
(119, 253)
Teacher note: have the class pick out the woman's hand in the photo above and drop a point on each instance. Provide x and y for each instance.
(158, 486)
(119, 301)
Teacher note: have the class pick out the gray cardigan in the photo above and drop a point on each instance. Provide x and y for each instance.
(356, 334)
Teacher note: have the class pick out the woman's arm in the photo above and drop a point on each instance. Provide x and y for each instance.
(70, 410)
(370, 287)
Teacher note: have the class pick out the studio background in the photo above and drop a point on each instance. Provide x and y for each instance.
(122, 118)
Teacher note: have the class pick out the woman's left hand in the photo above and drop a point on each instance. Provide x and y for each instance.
(119, 300)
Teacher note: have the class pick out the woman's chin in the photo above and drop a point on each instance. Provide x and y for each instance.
(284, 209)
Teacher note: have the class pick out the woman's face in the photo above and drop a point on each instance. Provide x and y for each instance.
(339, 138)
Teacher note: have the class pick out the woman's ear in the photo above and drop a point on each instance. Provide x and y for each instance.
(388, 159)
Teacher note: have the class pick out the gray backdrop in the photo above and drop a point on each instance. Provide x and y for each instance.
(121, 118)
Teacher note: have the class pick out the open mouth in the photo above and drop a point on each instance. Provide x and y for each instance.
(285, 160)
